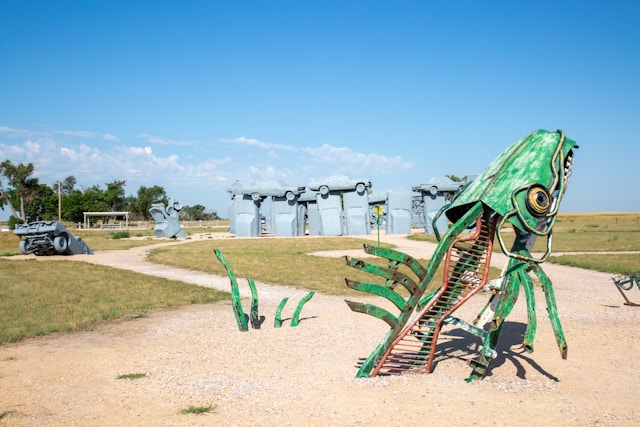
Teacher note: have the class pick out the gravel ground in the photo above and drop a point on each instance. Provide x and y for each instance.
(305, 376)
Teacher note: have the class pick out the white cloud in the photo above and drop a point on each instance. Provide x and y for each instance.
(163, 141)
(21, 133)
(88, 135)
(188, 174)
(241, 140)
(329, 158)
(347, 161)
(140, 150)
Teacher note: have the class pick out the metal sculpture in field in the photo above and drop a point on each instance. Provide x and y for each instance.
(241, 318)
(624, 282)
(167, 220)
(523, 188)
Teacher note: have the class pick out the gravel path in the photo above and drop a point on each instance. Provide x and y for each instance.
(305, 375)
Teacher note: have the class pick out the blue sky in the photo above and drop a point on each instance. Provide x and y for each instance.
(193, 95)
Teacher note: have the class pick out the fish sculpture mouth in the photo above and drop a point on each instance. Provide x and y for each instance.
(543, 202)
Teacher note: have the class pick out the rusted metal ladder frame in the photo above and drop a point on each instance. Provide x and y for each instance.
(486, 226)
(406, 307)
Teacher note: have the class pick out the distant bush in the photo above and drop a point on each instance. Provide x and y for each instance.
(13, 221)
(120, 235)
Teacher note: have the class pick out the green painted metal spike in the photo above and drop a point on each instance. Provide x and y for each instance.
(379, 290)
(398, 256)
(392, 276)
(254, 318)
(235, 293)
(296, 315)
(278, 319)
(374, 311)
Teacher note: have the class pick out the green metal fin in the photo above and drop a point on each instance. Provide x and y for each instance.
(398, 256)
(379, 290)
(374, 311)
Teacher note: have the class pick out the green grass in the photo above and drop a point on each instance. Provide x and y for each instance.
(616, 264)
(284, 261)
(198, 410)
(131, 376)
(601, 232)
(583, 233)
(594, 233)
(73, 295)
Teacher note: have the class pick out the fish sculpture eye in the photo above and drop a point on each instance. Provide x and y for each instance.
(538, 201)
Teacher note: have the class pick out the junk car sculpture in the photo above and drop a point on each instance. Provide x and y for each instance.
(522, 188)
(49, 238)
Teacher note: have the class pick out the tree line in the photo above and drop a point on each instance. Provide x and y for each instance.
(29, 200)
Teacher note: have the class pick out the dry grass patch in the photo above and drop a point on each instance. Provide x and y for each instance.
(74, 295)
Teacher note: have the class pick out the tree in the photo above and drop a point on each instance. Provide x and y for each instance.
(5, 199)
(194, 213)
(43, 205)
(24, 186)
(68, 184)
(146, 197)
(455, 178)
(74, 205)
(114, 196)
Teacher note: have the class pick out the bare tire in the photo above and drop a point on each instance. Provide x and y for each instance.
(60, 244)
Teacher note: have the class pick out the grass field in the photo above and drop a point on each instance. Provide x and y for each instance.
(590, 233)
(76, 295)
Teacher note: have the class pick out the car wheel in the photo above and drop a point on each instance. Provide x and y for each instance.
(290, 196)
(23, 247)
(60, 244)
(360, 188)
(433, 190)
(324, 190)
(255, 197)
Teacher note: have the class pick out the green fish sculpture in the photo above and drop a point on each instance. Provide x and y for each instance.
(521, 188)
